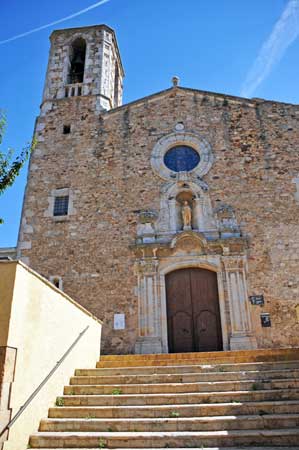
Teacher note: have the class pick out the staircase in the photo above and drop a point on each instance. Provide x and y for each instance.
(231, 400)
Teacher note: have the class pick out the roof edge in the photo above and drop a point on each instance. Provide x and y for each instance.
(252, 101)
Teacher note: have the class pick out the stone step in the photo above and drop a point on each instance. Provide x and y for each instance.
(114, 389)
(185, 377)
(179, 398)
(190, 368)
(172, 388)
(189, 410)
(212, 423)
(264, 355)
(197, 448)
(179, 439)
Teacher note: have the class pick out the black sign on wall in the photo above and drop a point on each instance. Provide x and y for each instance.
(257, 300)
(265, 320)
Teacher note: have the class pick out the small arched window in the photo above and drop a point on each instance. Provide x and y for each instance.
(77, 61)
(57, 281)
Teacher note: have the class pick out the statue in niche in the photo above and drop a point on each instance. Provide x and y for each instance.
(186, 216)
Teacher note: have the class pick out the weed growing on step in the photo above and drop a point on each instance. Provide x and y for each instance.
(110, 430)
(72, 393)
(263, 413)
(59, 401)
(256, 386)
(90, 416)
(102, 443)
(174, 414)
(116, 391)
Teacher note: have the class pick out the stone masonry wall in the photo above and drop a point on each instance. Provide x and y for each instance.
(105, 161)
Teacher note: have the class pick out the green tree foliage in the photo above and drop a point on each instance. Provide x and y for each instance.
(10, 165)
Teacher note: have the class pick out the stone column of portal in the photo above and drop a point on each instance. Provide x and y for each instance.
(172, 215)
(149, 308)
(241, 330)
(198, 220)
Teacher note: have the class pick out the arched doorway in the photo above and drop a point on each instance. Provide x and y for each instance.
(193, 315)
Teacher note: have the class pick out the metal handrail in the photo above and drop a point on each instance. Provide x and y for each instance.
(34, 393)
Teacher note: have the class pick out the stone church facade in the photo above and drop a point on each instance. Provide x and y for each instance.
(173, 218)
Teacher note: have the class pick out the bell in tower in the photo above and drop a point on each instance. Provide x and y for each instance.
(76, 74)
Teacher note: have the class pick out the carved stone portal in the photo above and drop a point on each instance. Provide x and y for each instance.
(187, 232)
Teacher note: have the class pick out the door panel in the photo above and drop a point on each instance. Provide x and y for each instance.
(182, 332)
(193, 315)
(179, 311)
(205, 302)
(207, 338)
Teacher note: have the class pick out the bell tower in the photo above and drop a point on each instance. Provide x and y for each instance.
(85, 61)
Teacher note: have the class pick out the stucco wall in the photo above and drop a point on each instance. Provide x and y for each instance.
(43, 323)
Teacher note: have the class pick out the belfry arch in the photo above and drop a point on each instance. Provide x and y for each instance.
(77, 57)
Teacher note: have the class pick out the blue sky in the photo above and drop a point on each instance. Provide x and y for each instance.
(210, 45)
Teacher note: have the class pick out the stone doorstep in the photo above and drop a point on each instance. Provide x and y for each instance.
(152, 363)
(281, 354)
(192, 367)
(192, 410)
(211, 423)
(182, 439)
(270, 352)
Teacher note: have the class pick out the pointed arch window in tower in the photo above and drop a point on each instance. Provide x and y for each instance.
(77, 61)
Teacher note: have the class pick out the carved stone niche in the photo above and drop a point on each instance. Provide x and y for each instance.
(173, 197)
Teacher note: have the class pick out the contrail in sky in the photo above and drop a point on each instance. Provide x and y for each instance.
(71, 16)
(285, 31)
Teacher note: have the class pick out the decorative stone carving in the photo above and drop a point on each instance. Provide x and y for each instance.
(182, 137)
(173, 196)
(145, 227)
(187, 216)
(149, 311)
(227, 222)
(241, 329)
(189, 241)
(187, 229)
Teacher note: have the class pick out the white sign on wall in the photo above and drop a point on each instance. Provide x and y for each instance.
(119, 321)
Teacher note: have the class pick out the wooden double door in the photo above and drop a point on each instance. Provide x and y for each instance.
(193, 315)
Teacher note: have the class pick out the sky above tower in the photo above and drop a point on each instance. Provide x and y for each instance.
(247, 48)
